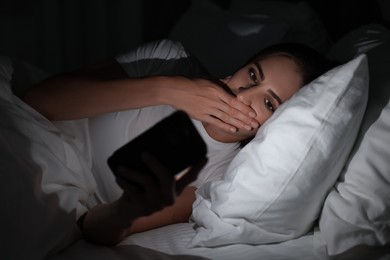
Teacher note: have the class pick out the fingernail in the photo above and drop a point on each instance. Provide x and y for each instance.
(255, 124)
(247, 127)
(252, 114)
(233, 129)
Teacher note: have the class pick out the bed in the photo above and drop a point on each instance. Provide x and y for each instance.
(328, 196)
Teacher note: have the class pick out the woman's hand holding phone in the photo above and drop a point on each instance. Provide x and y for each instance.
(154, 168)
(146, 193)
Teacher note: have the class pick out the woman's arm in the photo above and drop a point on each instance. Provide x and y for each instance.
(148, 201)
(105, 88)
(95, 90)
(109, 224)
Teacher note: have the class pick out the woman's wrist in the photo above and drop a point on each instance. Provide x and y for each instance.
(104, 224)
(168, 89)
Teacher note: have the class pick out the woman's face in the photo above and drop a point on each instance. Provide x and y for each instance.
(265, 85)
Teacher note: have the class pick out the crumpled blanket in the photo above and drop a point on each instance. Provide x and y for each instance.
(45, 179)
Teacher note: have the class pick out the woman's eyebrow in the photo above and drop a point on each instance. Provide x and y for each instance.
(275, 96)
(261, 73)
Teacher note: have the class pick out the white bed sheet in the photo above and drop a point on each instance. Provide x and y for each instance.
(171, 242)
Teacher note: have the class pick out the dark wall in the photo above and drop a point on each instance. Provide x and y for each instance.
(339, 16)
(60, 35)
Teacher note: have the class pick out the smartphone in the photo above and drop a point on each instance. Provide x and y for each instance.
(174, 141)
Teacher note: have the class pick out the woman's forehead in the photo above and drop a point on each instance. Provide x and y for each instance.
(279, 63)
(282, 74)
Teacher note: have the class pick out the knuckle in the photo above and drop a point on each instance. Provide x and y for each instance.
(224, 117)
(234, 112)
(233, 101)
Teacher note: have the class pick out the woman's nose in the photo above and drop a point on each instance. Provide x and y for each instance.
(244, 95)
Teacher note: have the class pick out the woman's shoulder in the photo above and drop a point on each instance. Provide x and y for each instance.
(163, 57)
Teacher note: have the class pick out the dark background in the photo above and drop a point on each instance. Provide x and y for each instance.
(61, 35)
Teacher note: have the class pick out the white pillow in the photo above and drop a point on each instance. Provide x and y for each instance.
(305, 24)
(357, 210)
(275, 187)
(223, 41)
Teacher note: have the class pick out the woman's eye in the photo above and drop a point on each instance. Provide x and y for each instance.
(269, 105)
(253, 76)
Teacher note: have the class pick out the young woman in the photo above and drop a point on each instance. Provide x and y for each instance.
(123, 97)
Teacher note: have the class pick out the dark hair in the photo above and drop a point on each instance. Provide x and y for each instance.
(310, 62)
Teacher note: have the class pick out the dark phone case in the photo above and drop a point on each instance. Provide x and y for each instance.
(174, 141)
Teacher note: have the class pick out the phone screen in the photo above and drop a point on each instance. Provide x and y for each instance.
(174, 141)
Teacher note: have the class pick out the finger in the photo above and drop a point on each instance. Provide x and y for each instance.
(143, 192)
(129, 180)
(236, 110)
(241, 121)
(190, 176)
(221, 124)
(224, 86)
(231, 119)
(245, 112)
(228, 123)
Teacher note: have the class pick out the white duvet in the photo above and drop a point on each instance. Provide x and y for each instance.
(44, 184)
